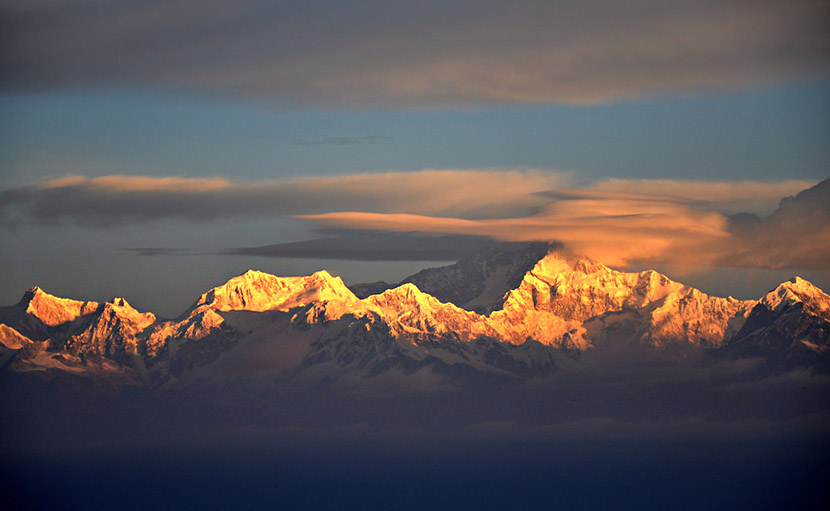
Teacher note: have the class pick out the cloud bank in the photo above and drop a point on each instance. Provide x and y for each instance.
(117, 199)
(414, 53)
(726, 197)
(619, 222)
(622, 228)
(372, 246)
(615, 231)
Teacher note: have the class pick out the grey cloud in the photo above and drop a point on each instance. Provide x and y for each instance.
(616, 227)
(158, 251)
(796, 235)
(370, 139)
(350, 245)
(414, 54)
(117, 200)
(375, 246)
(621, 228)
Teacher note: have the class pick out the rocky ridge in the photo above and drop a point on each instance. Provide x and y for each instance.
(789, 327)
(562, 305)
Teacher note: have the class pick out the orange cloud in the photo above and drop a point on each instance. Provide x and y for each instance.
(472, 193)
(615, 230)
(115, 199)
(725, 197)
(616, 221)
(121, 183)
(620, 228)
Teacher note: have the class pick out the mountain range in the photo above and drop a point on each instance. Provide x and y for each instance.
(511, 312)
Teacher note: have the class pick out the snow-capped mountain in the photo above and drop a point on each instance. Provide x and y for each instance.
(478, 282)
(258, 291)
(37, 312)
(580, 303)
(47, 332)
(314, 327)
(789, 327)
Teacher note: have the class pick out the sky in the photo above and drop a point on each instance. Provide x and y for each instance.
(152, 150)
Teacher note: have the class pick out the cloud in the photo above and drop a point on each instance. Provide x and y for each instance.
(414, 54)
(370, 139)
(159, 251)
(796, 235)
(614, 231)
(725, 197)
(375, 246)
(430, 214)
(117, 199)
(138, 184)
(621, 228)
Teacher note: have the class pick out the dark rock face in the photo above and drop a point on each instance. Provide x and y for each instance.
(787, 337)
(479, 281)
(367, 289)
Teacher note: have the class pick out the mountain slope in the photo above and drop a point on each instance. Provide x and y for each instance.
(477, 282)
(789, 327)
(315, 327)
(258, 291)
(38, 313)
(580, 302)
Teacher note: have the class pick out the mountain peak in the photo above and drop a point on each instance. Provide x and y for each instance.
(798, 282)
(119, 310)
(561, 294)
(554, 262)
(418, 316)
(249, 276)
(34, 290)
(478, 281)
(51, 310)
(405, 293)
(588, 266)
(325, 277)
(258, 291)
(120, 302)
(798, 290)
(124, 308)
(407, 288)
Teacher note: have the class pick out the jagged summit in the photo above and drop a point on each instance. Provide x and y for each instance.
(477, 282)
(407, 298)
(34, 292)
(559, 302)
(52, 310)
(408, 291)
(789, 327)
(795, 291)
(258, 291)
(122, 308)
(580, 288)
(563, 298)
(412, 313)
